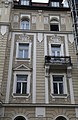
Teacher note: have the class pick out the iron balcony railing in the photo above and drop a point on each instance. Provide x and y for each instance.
(51, 60)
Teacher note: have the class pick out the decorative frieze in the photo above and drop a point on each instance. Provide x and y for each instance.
(55, 39)
(6, 2)
(24, 37)
(46, 20)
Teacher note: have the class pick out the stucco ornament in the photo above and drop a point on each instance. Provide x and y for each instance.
(55, 39)
(71, 38)
(6, 2)
(3, 30)
(40, 37)
(24, 37)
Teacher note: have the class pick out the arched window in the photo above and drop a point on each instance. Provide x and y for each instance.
(25, 23)
(19, 118)
(54, 24)
(60, 118)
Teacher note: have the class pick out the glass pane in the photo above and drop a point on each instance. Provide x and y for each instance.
(25, 24)
(23, 50)
(23, 45)
(18, 88)
(24, 88)
(20, 53)
(57, 78)
(55, 88)
(55, 50)
(22, 77)
(25, 53)
(60, 88)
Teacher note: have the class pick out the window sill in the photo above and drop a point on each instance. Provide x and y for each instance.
(15, 95)
(22, 59)
(59, 95)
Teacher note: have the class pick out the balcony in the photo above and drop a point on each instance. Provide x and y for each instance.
(58, 62)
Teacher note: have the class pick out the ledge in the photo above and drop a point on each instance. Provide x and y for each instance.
(15, 95)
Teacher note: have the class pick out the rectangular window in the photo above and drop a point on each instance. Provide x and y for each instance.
(54, 27)
(55, 50)
(21, 84)
(24, 2)
(58, 84)
(23, 51)
(55, 4)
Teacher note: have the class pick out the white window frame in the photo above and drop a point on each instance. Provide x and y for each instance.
(54, 20)
(26, 16)
(25, 24)
(15, 81)
(17, 50)
(64, 86)
(61, 46)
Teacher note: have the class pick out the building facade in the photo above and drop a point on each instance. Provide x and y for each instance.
(38, 61)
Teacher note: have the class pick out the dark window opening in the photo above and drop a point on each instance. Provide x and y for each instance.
(60, 118)
(19, 118)
(54, 27)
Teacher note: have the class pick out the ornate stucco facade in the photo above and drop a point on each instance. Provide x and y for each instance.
(38, 62)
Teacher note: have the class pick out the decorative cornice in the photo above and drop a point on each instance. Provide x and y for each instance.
(6, 2)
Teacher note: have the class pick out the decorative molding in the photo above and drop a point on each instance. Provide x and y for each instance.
(16, 18)
(10, 68)
(23, 37)
(3, 30)
(40, 112)
(6, 2)
(69, 72)
(47, 71)
(22, 67)
(55, 39)
(71, 38)
(34, 19)
(63, 21)
(40, 37)
(45, 19)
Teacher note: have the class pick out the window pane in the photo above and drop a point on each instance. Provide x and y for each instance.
(57, 78)
(24, 2)
(20, 53)
(24, 88)
(18, 90)
(22, 77)
(55, 50)
(55, 88)
(60, 88)
(23, 50)
(25, 24)
(25, 53)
